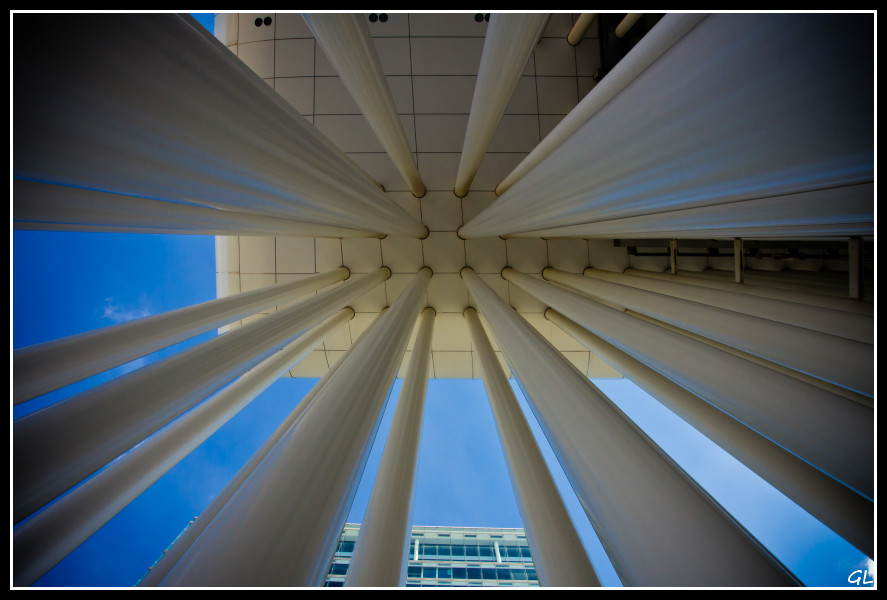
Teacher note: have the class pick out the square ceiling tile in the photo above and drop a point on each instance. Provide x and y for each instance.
(394, 54)
(447, 293)
(292, 25)
(444, 252)
(298, 92)
(557, 95)
(258, 56)
(441, 133)
(362, 255)
(565, 342)
(450, 333)
(293, 58)
(248, 31)
(516, 133)
(568, 254)
(452, 365)
(588, 59)
(295, 255)
(257, 254)
(527, 255)
(227, 254)
(541, 324)
(485, 255)
(495, 167)
(396, 25)
(333, 97)
(338, 339)
(559, 25)
(372, 301)
(441, 211)
(350, 133)
(444, 94)
(523, 100)
(447, 25)
(555, 56)
(327, 254)
(446, 55)
(439, 170)
(578, 360)
(402, 254)
(227, 284)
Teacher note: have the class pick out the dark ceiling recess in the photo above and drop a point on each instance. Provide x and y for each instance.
(614, 48)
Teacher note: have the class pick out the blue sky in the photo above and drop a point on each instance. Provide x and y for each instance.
(65, 283)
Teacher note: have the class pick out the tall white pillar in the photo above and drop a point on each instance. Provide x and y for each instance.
(282, 526)
(346, 41)
(380, 556)
(669, 29)
(829, 431)
(125, 113)
(656, 525)
(844, 511)
(845, 324)
(842, 304)
(509, 43)
(184, 542)
(580, 27)
(48, 366)
(47, 207)
(730, 147)
(843, 362)
(60, 445)
(558, 552)
(50, 535)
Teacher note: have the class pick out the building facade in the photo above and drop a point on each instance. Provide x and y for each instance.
(452, 557)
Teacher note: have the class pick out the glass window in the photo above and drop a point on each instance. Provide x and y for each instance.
(335, 584)
(444, 573)
(429, 549)
(458, 550)
(339, 569)
(504, 574)
(346, 546)
(485, 552)
(414, 571)
(489, 573)
(473, 573)
(460, 573)
(525, 552)
(519, 574)
(429, 572)
(513, 552)
(443, 551)
(531, 574)
(471, 551)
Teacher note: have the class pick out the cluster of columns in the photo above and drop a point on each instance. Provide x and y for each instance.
(796, 407)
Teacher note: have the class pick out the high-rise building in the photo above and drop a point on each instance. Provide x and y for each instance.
(452, 556)
(684, 200)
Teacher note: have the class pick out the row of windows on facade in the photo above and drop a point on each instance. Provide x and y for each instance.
(420, 574)
(470, 552)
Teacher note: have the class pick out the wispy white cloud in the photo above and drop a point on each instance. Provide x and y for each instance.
(120, 313)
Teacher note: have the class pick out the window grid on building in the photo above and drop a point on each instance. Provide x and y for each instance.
(452, 557)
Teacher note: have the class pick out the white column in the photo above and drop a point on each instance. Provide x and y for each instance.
(843, 362)
(657, 527)
(282, 526)
(580, 27)
(845, 512)
(346, 41)
(380, 556)
(558, 552)
(125, 113)
(842, 304)
(60, 445)
(509, 43)
(669, 29)
(53, 533)
(830, 432)
(175, 553)
(845, 324)
(46, 207)
(731, 147)
(45, 367)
